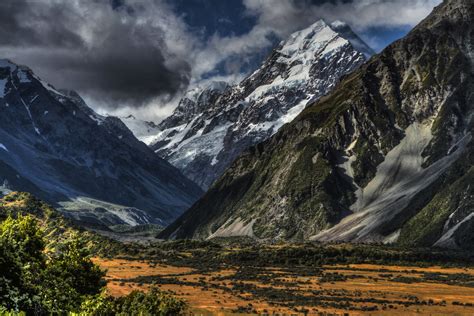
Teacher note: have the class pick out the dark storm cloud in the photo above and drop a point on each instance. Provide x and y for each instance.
(139, 56)
(110, 52)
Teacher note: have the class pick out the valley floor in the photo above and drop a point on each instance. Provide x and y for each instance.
(352, 288)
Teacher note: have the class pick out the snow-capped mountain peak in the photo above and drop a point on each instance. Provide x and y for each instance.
(386, 157)
(209, 129)
(304, 43)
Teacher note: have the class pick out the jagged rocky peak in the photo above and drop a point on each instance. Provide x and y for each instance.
(210, 128)
(194, 103)
(90, 166)
(387, 156)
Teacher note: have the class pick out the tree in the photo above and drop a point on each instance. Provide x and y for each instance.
(36, 283)
(22, 259)
(70, 276)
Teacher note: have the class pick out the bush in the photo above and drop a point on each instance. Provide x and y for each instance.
(155, 302)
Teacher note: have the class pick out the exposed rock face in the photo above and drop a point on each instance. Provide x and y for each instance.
(386, 157)
(210, 129)
(92, 167)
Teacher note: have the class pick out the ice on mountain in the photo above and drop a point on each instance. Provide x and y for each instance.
(257, 107)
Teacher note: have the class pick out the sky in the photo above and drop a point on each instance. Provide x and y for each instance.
(140, 56)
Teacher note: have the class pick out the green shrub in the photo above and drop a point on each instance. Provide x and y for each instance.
(155, 302)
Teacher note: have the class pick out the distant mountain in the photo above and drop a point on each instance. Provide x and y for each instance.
(144, 131)
(211, 127)
(388, 156)
(91, 167)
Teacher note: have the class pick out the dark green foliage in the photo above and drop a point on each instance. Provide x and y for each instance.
(155, 302)
(224, 252)
(21, 261)
(45, 267)
(70, 276)
(39, 281)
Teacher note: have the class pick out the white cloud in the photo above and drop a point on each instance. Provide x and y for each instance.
(281, 18)
(287, 16)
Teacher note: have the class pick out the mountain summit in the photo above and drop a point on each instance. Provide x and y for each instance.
(91, 167)
(388, 156)
(209, 129)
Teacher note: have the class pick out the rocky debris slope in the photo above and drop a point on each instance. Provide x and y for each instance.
(386, 157)
(91, 167)
(210, 128)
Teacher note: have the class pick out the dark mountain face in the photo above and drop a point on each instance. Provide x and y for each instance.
(386, 157)
(209, 129)
(56, 147)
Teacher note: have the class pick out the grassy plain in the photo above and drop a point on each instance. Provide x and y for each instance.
(230, 282)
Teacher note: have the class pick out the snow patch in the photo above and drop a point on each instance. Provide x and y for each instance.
(274, 126)
(3, 147)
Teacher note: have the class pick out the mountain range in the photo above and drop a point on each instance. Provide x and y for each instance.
(325, 141)
(211, 127)
(386, 157)
(89, 166)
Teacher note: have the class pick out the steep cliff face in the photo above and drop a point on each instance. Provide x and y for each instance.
(386, 157)
(209, 129)
(92, 167)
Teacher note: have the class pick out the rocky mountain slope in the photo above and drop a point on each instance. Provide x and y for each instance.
(386, 157)
(91, 167)
(210, 128)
